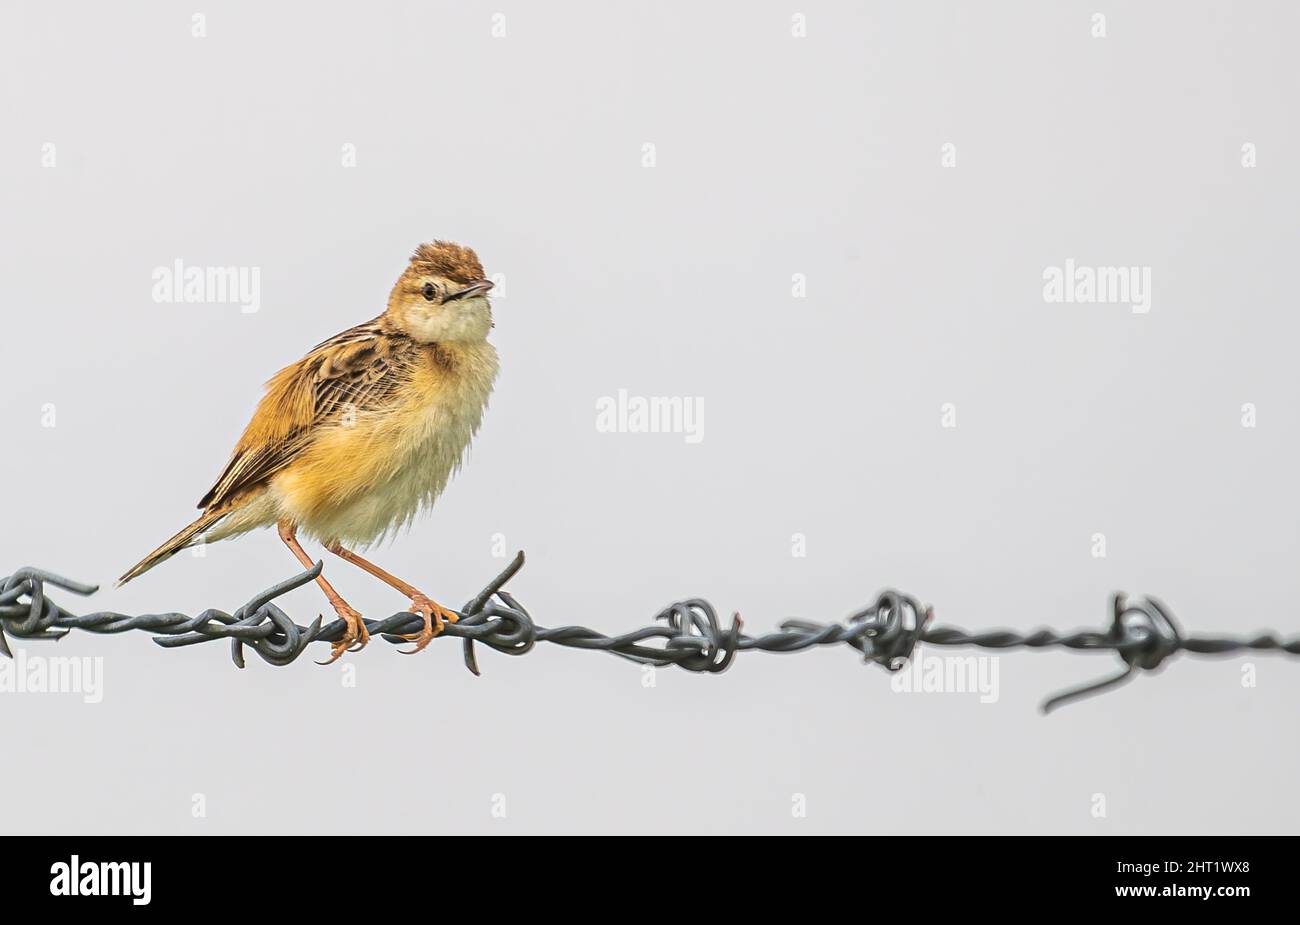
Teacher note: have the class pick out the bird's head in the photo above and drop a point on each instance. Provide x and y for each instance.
(442, 296)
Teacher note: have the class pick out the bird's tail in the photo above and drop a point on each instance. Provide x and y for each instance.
(173, 545)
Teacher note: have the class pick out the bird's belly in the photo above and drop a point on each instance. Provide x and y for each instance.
(358, 483)
(390, 503)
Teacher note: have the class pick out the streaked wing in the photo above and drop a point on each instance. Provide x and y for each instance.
(352, 372)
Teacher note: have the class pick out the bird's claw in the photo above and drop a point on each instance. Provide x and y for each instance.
(436, 617)
(354, 638)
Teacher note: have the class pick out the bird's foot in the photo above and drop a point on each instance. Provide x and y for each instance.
(435, 618)
(354, 637)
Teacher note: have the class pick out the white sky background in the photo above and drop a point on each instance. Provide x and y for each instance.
(775, 155)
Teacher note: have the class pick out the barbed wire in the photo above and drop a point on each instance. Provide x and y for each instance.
(688, 633)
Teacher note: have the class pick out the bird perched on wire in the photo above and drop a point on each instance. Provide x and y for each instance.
(351, 441)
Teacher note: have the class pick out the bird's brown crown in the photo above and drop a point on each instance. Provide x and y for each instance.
(448, 260)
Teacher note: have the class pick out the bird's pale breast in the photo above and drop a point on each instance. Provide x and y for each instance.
(372, 473)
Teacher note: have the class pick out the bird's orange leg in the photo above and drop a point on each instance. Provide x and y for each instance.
(357, 635)
(435, 615)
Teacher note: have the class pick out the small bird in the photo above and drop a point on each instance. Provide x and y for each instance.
(349, 443)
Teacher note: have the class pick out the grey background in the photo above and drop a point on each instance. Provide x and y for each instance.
(822, 416)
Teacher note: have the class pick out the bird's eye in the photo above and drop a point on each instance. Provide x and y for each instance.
(429, 292)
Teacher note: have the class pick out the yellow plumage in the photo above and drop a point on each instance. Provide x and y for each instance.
(363, 432)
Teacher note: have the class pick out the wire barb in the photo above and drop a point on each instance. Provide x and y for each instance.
(687, 634)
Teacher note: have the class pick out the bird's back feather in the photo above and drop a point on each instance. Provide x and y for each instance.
(352, 372)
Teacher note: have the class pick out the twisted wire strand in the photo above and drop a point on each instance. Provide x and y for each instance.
(687, 634)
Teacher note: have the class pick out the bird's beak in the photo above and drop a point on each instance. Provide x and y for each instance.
(477, 287)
